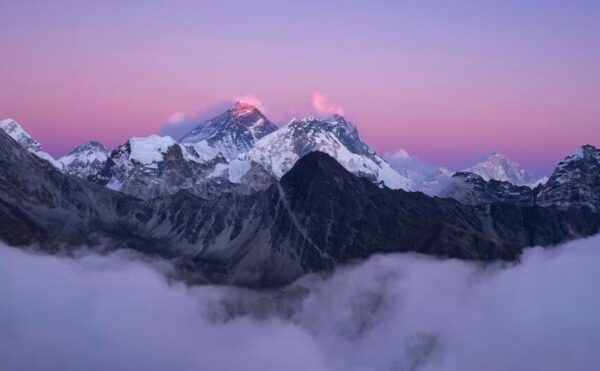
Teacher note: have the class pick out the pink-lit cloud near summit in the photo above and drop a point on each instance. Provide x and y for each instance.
(449, 81)
(322, 104)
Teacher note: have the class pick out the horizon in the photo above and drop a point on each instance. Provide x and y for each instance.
(409, 76)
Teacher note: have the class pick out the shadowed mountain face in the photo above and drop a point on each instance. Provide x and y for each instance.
(472, 189)
(319, 215)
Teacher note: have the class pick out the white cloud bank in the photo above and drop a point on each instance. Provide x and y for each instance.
(395, 312)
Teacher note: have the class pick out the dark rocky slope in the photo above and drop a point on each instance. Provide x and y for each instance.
(319, 215)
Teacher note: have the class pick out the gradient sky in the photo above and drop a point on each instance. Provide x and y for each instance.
(448, 81)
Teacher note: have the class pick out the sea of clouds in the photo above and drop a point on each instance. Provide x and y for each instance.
(393, 312)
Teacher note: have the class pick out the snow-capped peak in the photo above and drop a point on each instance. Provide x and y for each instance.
(85, 160)
(499, 167)
(91, 147)
(232, 133)
(242, 109)
(16, 131)
(279, 151)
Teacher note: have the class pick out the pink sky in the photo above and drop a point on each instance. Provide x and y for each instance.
(448, 82)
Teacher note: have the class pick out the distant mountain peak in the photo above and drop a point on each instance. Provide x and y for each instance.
(499, 166)
(89, 145)
(85, 160)
(231, 133)
(243, 108)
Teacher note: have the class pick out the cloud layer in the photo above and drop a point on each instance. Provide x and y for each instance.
(394, 312)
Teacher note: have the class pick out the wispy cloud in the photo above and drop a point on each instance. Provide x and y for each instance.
(176, 117)
(323, 104)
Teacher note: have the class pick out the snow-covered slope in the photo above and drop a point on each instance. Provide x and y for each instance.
(85, 160)
(499, 167)
(156, 166)
(336, 136)
(232, 133)
(12, 128)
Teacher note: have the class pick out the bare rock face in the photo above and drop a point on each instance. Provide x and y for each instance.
(497, 166)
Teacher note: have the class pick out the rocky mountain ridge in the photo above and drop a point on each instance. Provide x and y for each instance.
(317, 216)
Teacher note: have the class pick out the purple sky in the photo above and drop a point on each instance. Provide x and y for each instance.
(448, 81)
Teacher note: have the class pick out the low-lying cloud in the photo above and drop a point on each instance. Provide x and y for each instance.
(394, 312)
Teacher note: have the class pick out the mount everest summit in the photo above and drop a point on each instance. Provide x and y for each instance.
(230, 134)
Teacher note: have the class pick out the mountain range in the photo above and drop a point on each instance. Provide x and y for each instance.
(242, 150)
(240, 201)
